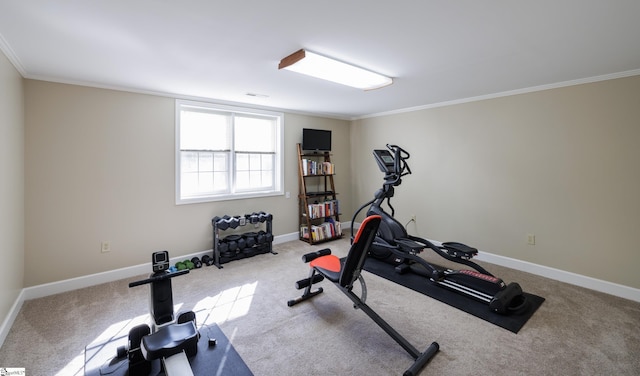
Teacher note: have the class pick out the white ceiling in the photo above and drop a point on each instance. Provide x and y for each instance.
(436, 51)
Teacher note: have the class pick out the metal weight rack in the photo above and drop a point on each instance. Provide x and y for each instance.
(238, 245)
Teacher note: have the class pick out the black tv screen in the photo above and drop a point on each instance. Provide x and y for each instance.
(316, 140)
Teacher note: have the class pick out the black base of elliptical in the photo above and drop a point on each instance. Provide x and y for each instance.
(481, 286)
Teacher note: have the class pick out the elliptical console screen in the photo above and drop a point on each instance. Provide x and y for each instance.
(385, 160)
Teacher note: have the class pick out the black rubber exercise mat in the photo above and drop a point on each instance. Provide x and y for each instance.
(513, 321)
(221, 359)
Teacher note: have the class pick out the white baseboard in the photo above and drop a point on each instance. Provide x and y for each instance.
(286, 238)
(52, 288)
(13, 313)
(610, 288)
(591, 283)
(607, 287)
(71, 284)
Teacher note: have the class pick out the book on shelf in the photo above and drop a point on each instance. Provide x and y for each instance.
(327, 230)
(304, 232)
(313, 167)
(328, 168)
(324, 209)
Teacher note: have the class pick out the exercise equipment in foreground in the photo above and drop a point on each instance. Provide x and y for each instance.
(173, 341)
(394, 245)
(344, 272)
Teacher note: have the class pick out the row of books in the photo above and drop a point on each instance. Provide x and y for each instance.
(324, 209)
(324, 231)
(313, 167)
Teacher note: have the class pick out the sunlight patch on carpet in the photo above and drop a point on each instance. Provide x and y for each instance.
(229, 304)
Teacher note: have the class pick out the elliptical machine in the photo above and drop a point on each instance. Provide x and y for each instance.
(395, 246)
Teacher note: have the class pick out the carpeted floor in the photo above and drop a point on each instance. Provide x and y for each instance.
(575, 332)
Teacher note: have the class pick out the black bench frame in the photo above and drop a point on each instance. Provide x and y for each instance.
(343, 273)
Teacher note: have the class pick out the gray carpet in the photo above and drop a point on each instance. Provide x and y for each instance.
(575, 332)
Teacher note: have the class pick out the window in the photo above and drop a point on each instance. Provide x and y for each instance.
(225, 152)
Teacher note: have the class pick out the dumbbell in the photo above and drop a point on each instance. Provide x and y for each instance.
(250, 238)
(232, 241)
(196, 262)
(265, 217)
(261, 237)
(234, 222)
(221, 223)
(223, 246)
(189, 264)
(207, 260)
(180, 265)
(264, 237)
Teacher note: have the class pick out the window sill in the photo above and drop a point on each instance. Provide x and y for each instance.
(237, 196)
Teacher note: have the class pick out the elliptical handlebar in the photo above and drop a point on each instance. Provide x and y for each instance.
(158, 276)
(401, 167)
(393, 163)
(398, 151)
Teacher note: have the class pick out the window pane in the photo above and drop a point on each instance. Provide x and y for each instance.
(220, 182)
(254, 162)
(204, 131)
(267, 178)
(254, 134)
(242, 180)
(205, 182)
(254, 178)
(267, 162)
(220, 162)
(189, 183)
(205, 161)
(242, 162)
(189, 161)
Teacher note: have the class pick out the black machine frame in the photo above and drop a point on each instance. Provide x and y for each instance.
(394, 245)
(343, 273)
(168, 338)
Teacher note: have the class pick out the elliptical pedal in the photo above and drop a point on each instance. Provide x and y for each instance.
(459, 250)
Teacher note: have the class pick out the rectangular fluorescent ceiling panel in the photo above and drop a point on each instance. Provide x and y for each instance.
(325, 68)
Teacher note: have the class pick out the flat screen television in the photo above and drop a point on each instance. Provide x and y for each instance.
(316, 140)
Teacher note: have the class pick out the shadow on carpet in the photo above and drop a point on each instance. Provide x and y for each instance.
(513, 321)
(221, 359)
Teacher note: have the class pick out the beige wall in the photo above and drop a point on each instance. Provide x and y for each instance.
(11, 185)
(100, 166)
(561, 164)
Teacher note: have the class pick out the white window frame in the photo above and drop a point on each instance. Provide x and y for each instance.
(233, 194)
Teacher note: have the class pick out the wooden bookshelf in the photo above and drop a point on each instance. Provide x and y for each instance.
(319, 207)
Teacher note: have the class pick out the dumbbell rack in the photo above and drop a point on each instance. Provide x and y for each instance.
(238, 246)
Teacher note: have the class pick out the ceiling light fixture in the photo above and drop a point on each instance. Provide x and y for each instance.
(325, 68)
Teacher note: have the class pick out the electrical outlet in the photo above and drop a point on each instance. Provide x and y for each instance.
(531, 239)
(413, 218)
(105, 247)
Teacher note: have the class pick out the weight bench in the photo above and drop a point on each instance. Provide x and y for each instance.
(343, 272)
